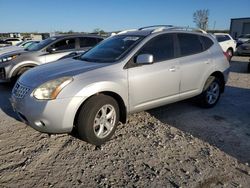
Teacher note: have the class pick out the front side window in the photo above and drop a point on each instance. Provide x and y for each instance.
(161, 47)
(65, 44)
(189, 44)
(112, 49)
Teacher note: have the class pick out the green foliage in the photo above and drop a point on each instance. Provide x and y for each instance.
(200, 18)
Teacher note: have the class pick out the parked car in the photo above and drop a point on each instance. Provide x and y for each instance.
(19, 46)
(126, 73)
(13, 64)
(242, 39)
(9, 42)
(244, 49)
(227, 43)
(248, 67)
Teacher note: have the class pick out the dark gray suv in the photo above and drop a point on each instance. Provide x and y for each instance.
(15, 63)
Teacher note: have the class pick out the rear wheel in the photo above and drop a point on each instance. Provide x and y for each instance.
(98, 119)
(211, 93)
(230, 53)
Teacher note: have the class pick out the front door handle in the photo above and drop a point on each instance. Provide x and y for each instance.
(172, 69)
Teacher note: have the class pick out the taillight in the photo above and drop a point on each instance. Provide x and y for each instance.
(227, 55)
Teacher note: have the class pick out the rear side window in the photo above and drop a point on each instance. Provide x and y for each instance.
(227, 37)
(161, 47)
(189, 44)
(88, 42)
(12, 40)
(207, 42)
(65, 44)
(222, 38)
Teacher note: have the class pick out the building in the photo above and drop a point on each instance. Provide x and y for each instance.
(239, 26)
(10, 35)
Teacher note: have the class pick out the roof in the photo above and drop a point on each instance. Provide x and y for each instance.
(139, 32)
(76, 35)
(245, 18)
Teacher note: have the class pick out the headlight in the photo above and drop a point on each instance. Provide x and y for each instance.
(50, 89)
(8, 58)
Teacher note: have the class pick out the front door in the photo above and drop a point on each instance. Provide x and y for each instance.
(60, 49)
(155, 84)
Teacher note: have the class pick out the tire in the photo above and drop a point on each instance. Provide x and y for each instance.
(230, 53)
(92, 126)
(211, 92)
(19, 73)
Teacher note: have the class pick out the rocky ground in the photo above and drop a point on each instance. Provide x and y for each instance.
(178, 145)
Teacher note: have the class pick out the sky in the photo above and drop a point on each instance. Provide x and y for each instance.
(113, 15)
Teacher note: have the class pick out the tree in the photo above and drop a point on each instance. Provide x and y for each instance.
(70, 31)
(99, 31)
(201, 18)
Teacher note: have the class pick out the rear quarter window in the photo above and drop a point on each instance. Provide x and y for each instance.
(207, 42)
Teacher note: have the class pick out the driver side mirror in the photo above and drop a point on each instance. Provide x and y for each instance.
(145, 59)
(51, 50)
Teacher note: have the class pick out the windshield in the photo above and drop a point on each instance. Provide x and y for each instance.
(20, 43)
(112, 49)
(40, 45)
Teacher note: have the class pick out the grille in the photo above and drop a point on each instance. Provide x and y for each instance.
(19, 91)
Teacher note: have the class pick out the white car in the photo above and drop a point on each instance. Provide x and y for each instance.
(227, 43)
(10, 41)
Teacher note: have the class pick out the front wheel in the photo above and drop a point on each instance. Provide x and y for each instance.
(211, 93)
(98, 119)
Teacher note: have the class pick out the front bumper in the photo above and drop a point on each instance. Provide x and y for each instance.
(241, 51)
(4, 73)
(53, 116)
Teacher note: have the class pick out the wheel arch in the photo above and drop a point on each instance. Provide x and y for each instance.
(117, 97)
(219, 75)
(18, 67)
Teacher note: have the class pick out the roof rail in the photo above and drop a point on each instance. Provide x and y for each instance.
(125, 31)
(159, 28)
(187, 29)
(153, 26)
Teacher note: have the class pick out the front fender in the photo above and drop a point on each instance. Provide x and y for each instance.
(20, 65)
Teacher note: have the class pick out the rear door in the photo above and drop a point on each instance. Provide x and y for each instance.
(85, 43)
(152, 85)
(194, 62)
(62, 48)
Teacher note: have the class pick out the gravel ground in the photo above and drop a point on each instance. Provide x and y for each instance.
(178, 145)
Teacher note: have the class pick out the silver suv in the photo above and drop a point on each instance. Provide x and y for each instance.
(15, 63)
(127, 73)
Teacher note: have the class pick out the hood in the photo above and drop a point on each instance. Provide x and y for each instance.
(11, 52)
(9, 49)
(245, 45)
(66, 67)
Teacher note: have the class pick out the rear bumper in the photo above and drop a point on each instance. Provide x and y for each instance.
(226, 74)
